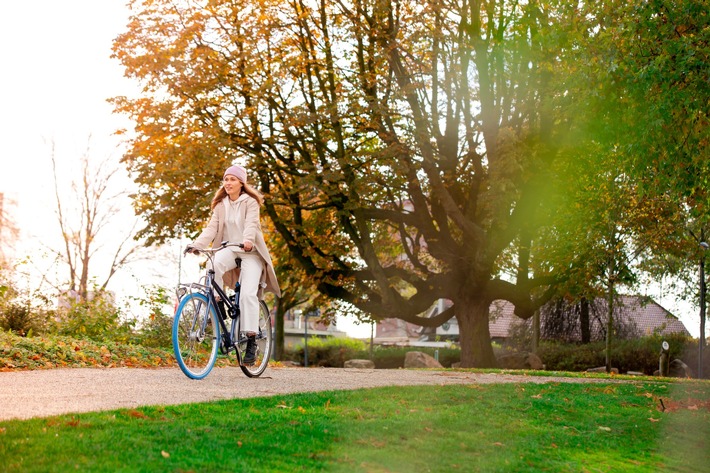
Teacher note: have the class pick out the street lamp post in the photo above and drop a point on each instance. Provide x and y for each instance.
(701, 344)
(305, 341)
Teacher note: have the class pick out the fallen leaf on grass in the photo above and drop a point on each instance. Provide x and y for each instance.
(136, 414)
(653, 420)
(165, 454)
(605, 429)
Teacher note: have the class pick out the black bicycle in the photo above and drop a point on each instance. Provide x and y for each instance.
(202, 330)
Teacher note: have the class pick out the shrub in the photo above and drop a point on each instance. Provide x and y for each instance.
(20, 312)
(571, 357)
(328, 352)
(393, 357)
(333, 352)
(641, 354)
(22, 320)
(97, 319)
(156, 330)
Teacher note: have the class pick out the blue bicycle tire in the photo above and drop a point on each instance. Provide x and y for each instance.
(195, 335)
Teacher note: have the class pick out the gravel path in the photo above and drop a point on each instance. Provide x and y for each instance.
(42, 393)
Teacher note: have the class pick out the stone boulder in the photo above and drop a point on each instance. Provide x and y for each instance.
(520, 361)
(678, 369)
(360, 364)
(418, 359)
(602, 369)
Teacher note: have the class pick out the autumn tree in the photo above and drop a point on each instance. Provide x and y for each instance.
(407, 148)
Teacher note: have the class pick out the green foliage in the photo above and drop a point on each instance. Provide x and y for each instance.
(393, 357)
(97, 319)
(23, 320)
(155, 332)
(156, 329)
(328, 352)
(521, 427)
(640, 88)
(21, 312)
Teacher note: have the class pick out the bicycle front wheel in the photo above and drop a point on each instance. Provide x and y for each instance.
(264, 342)
(195, 336)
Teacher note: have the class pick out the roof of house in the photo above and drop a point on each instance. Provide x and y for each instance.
(502, 318)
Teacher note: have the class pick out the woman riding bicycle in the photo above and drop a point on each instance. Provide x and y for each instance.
(235, 218)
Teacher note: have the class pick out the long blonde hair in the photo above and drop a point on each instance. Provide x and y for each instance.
(246, 189)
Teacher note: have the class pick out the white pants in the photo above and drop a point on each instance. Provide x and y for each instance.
(249, 278)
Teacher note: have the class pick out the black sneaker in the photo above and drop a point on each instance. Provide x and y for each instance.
(250, 352)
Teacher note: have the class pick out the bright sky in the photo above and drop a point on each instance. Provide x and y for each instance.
(56, 77)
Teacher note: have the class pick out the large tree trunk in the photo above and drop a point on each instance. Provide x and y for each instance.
(474, 334)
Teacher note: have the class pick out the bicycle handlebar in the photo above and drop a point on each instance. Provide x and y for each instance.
(210, 251)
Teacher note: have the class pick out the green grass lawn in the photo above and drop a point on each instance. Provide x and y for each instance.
(504, 427)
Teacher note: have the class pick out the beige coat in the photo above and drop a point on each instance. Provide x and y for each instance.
(212, 236)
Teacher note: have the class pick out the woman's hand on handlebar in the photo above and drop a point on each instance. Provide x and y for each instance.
(191, 249)
(247, 245)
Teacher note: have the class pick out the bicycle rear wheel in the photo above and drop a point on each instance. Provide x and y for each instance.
(195, 336)
(263, 343)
